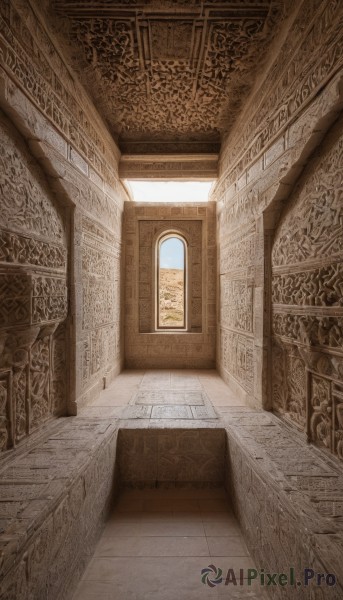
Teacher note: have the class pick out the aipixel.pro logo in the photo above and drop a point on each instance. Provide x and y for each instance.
(211, 575)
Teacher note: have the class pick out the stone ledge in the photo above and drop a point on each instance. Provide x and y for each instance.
(54, 500)
(56, 494)
(288, 498)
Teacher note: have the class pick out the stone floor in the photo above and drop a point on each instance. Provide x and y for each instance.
(176, 397)
(169, 406)
(166, 405)
(157, 542)
(168, 427)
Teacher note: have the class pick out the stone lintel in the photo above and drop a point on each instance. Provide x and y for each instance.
(176, 167)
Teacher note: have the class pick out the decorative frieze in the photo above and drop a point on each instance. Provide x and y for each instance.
(321, 286)
(169, 167)
(20, 249)
(311, 330)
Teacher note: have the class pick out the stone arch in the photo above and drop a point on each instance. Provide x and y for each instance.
(150, 233)
(170, 234)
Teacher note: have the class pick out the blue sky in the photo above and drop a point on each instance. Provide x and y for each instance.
(172, 254)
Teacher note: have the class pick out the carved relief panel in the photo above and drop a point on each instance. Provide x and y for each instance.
(100, 301)
(236, 303)
(321, 413)
(307, 291)
(33, 294)
(237, 353)
(237, 282)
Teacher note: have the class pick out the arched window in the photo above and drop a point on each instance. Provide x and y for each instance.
(171, 286)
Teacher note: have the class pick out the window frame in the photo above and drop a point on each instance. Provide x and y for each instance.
(162, 238)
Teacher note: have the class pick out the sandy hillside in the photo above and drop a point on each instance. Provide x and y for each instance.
(171, 298)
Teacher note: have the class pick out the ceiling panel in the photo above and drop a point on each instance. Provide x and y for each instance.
(168, 76)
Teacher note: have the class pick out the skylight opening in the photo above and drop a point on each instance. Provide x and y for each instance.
(170, 191)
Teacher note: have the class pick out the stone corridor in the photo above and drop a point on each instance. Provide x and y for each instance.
(140, 386)
(156, 543)
(199, 486)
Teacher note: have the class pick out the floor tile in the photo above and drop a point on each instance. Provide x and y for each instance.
(227, 546)
(129, 504)
(142, 516)
(153, 528)
(171, 412)
(228, 527)
(155, 546)
(172, 504)
(159, 553)
(214, 504)
(210, 516)
(153, 573)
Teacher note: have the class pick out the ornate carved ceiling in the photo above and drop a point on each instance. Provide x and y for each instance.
(167, 75)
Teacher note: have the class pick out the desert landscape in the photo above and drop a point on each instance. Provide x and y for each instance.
(171, 298)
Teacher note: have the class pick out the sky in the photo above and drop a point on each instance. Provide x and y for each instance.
(172, 254)
(170, 191)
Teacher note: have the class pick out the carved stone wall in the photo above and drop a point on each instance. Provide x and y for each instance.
(33, 294)
(32, 59)
(307, 297)
(42, 97)
(287, 498)
(143, 346)
(296, 101)
(101, 355)
(55, 500)
(302, 60)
